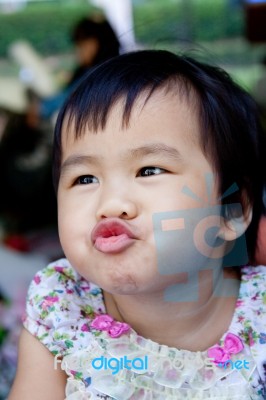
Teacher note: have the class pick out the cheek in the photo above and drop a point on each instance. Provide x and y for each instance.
(65, 219)
(186, 240)
(174, 199)
(70, 212)
(184, 192)
(65, 236)
(69, 225)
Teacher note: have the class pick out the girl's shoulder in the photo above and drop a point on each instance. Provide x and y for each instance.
(60, 305)
(249, 321)
(251, 303)
(253, 281)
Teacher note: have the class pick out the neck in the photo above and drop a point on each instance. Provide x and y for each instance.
(195, 325)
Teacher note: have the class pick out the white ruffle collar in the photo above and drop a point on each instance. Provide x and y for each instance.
(172, 374)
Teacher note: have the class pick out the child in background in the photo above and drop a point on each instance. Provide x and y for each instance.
(159, 177)
(95, 42)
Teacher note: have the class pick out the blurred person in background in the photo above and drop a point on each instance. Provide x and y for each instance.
(95, 42)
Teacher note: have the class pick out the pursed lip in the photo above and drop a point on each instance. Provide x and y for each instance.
(111, 227)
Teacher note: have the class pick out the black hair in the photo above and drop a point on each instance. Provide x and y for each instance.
(230, 133)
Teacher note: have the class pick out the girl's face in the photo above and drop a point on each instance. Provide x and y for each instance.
(129, 174)
(87, 50)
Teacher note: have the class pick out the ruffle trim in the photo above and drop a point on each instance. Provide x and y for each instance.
(170, 374)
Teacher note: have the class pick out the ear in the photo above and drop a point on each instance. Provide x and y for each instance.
(233, 226)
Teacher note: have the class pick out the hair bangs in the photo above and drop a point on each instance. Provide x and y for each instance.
(90, 104)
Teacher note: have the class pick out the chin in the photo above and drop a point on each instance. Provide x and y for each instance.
(121, 285)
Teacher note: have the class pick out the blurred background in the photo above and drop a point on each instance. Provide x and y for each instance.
(46, 46)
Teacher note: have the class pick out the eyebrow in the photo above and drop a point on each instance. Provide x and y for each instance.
(155, 148)
(79, 159)
(160, 149)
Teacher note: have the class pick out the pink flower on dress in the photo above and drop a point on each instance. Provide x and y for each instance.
(85, 328)
(251, 274)
(240, 318)
(85, 287)
(52, 299)
(239, 303)
(59, 269)
(251, 340)
(49, 301)
(106, 323)
(37, 279)
(118, 328)
(102, 322)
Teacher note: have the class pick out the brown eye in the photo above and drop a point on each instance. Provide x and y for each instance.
(86, 180)
(150, 171)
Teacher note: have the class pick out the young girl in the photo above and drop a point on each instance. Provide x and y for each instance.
(159, 177)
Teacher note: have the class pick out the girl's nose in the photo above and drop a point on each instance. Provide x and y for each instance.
(117, 204)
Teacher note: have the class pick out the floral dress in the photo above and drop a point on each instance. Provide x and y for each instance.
(107, 359)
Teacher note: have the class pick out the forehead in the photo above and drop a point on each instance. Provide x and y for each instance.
(162, 112)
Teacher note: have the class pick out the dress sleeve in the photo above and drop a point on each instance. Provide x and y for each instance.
(253, 296)
(59, 307)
